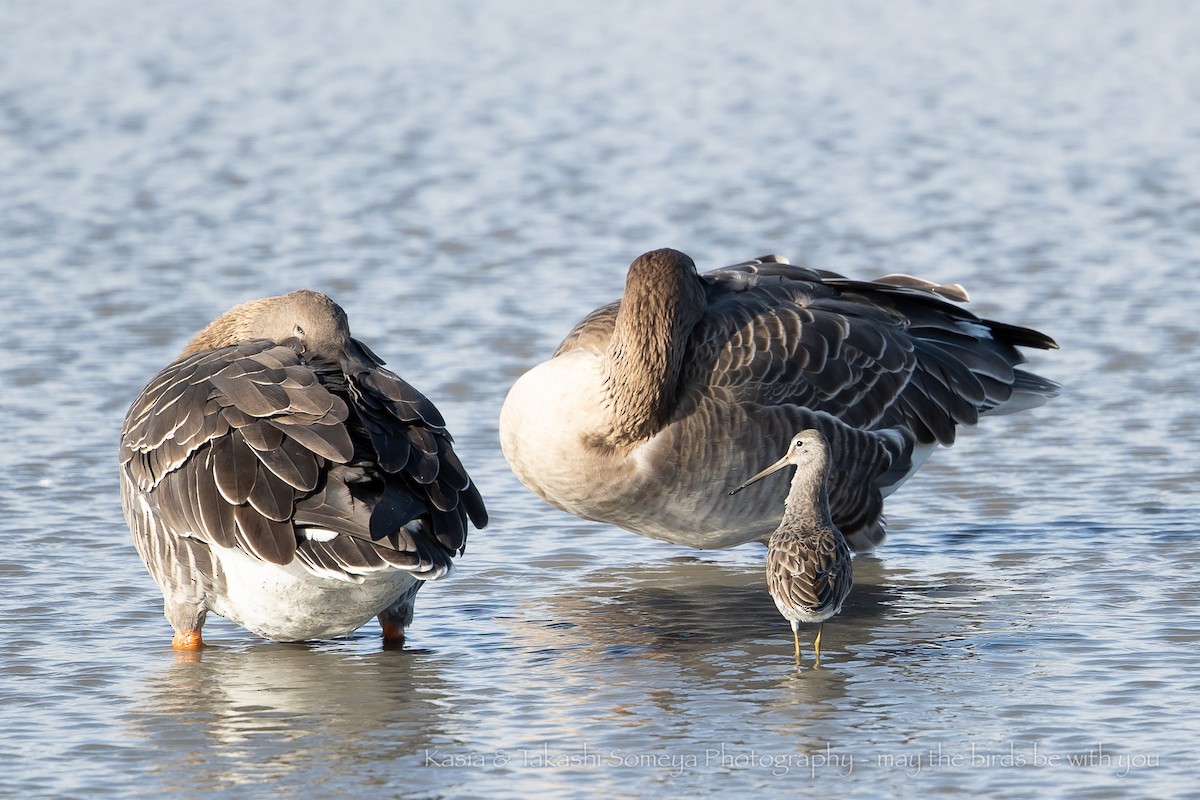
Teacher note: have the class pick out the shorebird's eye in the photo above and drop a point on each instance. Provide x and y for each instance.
(298, 331)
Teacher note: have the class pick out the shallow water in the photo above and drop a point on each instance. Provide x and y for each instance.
(468, 182)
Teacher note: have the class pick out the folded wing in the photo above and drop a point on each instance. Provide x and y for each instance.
(343, 467)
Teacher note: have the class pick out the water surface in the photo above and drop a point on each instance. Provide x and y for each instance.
(467, 182)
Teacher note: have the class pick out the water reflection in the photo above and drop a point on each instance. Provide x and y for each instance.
(710, 624)
(263, 712)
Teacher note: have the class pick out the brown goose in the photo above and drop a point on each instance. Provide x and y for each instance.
(278, 475)
(653, 406)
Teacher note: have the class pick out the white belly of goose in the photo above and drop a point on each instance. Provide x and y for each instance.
(290, 604)
(659, 489)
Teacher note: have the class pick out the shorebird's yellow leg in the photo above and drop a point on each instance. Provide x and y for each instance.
(796, 638)
(817, 646)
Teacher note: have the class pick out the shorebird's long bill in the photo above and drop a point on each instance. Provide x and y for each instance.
(778, 465)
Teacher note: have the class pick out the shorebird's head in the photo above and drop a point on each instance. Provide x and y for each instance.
(807, 451)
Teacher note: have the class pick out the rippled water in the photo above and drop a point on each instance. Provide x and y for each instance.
(468, 181)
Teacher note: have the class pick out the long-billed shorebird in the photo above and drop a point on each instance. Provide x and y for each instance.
(278, 475)
(809, 573)
(652, 405)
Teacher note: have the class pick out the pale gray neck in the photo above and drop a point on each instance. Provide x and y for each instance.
(807, 504)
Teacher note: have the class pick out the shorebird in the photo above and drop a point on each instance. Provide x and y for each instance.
(278, 475)
(652, 404)
(809, 573)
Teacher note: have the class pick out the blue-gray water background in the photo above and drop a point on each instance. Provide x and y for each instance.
(468, 180)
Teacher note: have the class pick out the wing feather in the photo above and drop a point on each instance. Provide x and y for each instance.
(896, 353)
(812, 574)
(234, 466)
(253, 446)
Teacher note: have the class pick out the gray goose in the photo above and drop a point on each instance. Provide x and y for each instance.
(278, 475)
(653, 406)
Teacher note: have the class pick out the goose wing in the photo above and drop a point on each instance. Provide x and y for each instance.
(874, 354)
(250, 446)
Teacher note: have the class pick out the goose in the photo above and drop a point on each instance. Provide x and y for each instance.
(278, 475)
(653, 406)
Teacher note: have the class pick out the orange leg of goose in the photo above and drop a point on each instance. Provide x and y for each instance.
(393, 633)
(187, 640)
